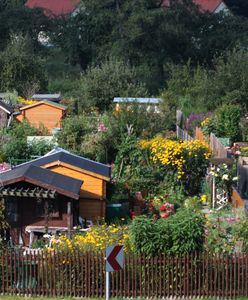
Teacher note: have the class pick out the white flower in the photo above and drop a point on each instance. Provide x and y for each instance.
(47, 236)
(235, 178)
(212, 168)
(218, 169)
(224, 166)
(225, 177)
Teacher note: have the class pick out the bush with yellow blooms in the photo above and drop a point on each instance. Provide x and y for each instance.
(188, 159)
(24, 101)
(97, 238)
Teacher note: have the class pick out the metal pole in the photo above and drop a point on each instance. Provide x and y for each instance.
(107, 285)
(214, 192)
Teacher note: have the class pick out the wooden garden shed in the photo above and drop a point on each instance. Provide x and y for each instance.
(46, 113)
(38, 200)
(95, 175)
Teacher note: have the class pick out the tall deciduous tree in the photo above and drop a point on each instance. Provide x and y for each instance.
(147, 35)
(199, 89)
(102, 83)
(20, 66)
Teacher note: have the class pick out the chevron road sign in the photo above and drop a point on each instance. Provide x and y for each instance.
(114, 262)
(114, 258)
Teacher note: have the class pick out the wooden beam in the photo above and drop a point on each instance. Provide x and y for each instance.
(32, 193)
(69, 218)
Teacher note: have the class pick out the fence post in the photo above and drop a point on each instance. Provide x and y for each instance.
(214, 192)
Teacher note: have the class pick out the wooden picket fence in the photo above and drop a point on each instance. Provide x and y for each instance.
(183, 134)
(81, 274)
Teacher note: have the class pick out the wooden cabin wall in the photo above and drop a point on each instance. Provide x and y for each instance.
(92, 209)
(19, 118)
(92, 203)
(44, 114)
(92, 187)
(27, 211)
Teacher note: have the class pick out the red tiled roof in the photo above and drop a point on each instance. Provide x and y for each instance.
(208, 5)
(205, 5)
(54, 7)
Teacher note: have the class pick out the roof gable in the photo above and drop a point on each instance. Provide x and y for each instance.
(47, 97)
(208, 5)
(7, 108)
(54, 7)
(76, 161)
(45, 102)
(137, 100)
(44, 178)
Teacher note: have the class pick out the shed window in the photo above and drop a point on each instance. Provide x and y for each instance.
(11, 209)
(53, 208)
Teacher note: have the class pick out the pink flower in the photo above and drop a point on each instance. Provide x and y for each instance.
(102, 128)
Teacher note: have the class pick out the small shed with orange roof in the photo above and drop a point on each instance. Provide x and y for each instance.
(45, 113)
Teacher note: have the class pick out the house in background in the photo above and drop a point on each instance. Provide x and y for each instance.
(54, 8)
(46, 113)
(51, 192)
(152, 104)
(211, 6)
(47, 97)
(6, 114)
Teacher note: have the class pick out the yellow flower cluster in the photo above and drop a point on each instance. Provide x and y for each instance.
(26, 101)
(204, 198)
(97, 238)
(176, 153)
(205, 122)
(158, 201)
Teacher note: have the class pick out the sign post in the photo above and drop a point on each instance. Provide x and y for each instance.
(107, 285)
(114, 262)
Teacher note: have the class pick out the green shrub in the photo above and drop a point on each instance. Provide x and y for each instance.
(182, 232)
(241, 233)
(187, 231)
(149, 236)
(226, 122)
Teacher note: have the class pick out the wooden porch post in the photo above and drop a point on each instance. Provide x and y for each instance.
(69, 217)
(46, 216)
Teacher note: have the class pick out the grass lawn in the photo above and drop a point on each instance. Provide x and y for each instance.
(67, 298)
(37, 298)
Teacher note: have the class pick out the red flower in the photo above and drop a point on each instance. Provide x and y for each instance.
(163, 207)
(132, 214)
